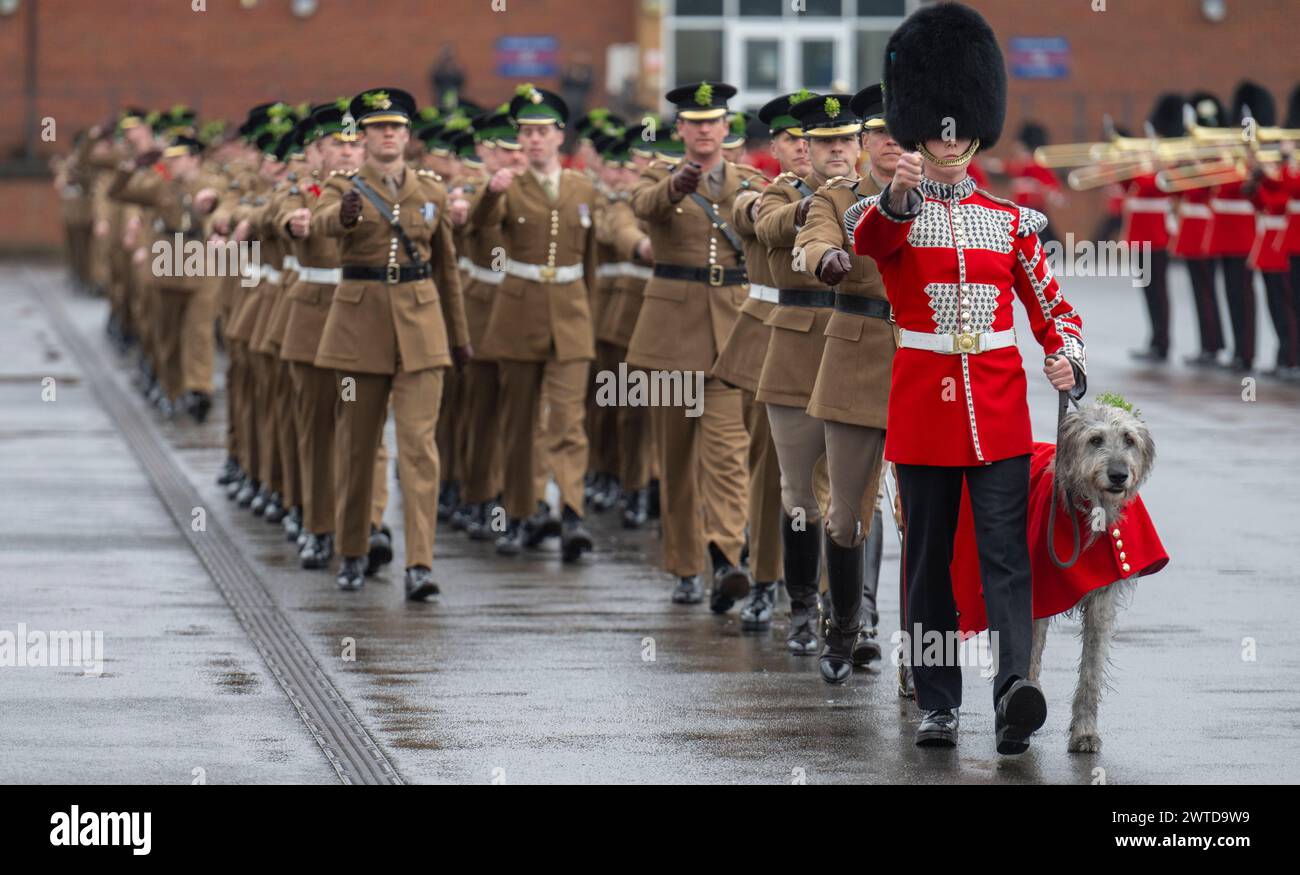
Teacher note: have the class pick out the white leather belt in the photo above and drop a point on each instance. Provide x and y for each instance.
(482, 274)
(1195, 211)
(1146, 204)
(952, 344)
(1235, 206)
(1293, 207)
(291, 263)
(270, 274)
(544, 273)
(1272, 223)
(624, 269)
(325, 276)
(765, 293)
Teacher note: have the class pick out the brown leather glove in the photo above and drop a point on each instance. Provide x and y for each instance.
(685, 179)
(801, 210)
(461, 355)
(836, 265)
(350, 208)
(148, 159)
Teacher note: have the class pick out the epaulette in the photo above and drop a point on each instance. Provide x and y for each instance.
(840, 182)
(661, 164)
(998, 200)
(1031, 222)
(429, 174)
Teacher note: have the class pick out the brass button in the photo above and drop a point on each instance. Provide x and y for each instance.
(1126, 568)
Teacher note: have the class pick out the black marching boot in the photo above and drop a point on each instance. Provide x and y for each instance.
(844, 568)
(802, 551)
(868, 649)
(636, 508)
(756, 612)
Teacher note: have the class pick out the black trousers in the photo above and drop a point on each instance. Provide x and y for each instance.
(1239, 285)
(1277, 291)
(931, 497)
(1208, 323)
(1157, 295)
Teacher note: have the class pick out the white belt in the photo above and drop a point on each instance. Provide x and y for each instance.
(1195, 211)
(544, 273)
(291, 263)
(482, 274)
(1146, 204)
(1272, 223)
(765, 293)
(270, 274)
(624, 269)
(1293, 206)
(1238, 207)
(956, 343)
(325, 276)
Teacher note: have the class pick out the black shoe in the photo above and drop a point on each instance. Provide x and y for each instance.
(480, 528)
(801, 557)
(260, 501)
(805, 623)
(539, 527)
(1236, 365)
(352, 572)
(419, 584)
(381, 549)
(636, 506)
(460, 518)
(233, 487)
(574, 537)
(606, 496)
(274, 511)
(730, 584)
(938, 728)
(317, 552)
(511, 541)
(756, 612)
(1021, 711)
(166, 409)
(248, 492)
(652, 500)
(1150, 355)
(292, 524)
(448, 499)
(867, 650)
(301, 540)
(688, 591)
(229, 472)
(197, 405)
(1202, 360)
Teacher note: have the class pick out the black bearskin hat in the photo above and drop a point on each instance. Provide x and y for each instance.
(1293, 110)
(943, 62)
(1033, 135)
(1263, 109)
(1167, 115)
(1209, 111)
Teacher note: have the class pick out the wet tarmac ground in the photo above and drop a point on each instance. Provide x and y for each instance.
(529, 671)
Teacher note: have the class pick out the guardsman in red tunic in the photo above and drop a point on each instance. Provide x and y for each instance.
(954, 258)
(1268, 193)
(1146, 224)
(1191, 242)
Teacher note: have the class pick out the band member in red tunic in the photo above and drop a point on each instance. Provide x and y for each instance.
(1146, 223)
(1267, 190)
(954, 259)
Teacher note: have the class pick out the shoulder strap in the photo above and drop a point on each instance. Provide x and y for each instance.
(727, 230)
(803, 188)
(386, 210)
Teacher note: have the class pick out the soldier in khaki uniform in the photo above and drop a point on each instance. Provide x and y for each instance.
(851, 393)
(540, 331)
(387, 333)
(690, 306)
(740, 363)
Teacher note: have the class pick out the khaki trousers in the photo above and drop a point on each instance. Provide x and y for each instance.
(314, 393)
(482, 469)
(602, 420)
(286, 435)
(451, 427)
(266, 376)
(359, 426)
(854, 458)
(562, 430)
(703, 479)
(635, 436)
(198, 338)
(764, 495)
(169, 319)
(234, 375)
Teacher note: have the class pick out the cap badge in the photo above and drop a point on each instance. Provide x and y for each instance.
(704, 94)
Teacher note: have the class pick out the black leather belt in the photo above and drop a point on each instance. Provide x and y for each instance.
(714, 274)
(392, 273)
(877, 308)
(806, 298)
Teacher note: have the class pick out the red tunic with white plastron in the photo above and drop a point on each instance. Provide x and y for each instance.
(1291, 182)
(1131, 548)
(1192, 232)
(1232, 223)
(956, 267)
(1269, 254)
(1146, 213)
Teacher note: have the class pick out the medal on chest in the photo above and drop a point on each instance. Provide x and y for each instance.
(584, 215)
(429, 211)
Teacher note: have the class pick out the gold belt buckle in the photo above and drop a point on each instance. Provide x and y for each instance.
(717, 273)
(393, 274)
(548, 273)
(968, 343)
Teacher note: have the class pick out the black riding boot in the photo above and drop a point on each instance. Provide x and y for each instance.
(868, 649)
(801, 557)
(844, 568)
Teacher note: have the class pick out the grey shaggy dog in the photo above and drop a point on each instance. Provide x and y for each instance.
(1104, 455)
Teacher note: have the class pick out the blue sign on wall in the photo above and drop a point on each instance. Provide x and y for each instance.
(527, 56)
(1040, 57)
